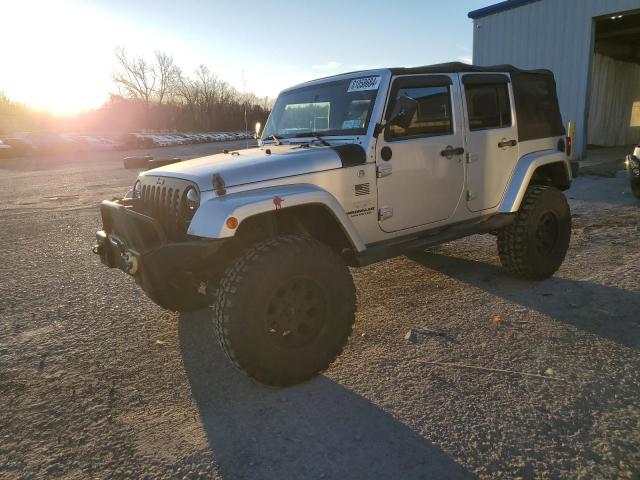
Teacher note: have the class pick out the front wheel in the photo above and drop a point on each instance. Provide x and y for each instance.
(535, 244)
(285, 309)
(635, 187)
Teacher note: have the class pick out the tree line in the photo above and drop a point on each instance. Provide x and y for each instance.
(16, 117)
(151, 95)
(166, 98)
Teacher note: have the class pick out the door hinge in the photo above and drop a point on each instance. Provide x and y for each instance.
(466, 157)
(384, 213)
(384, 170)
(471, 195)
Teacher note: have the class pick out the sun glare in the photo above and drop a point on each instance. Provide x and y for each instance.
(62, 59)
(58, 62)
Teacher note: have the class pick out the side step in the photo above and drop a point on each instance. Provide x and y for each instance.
(377, 253)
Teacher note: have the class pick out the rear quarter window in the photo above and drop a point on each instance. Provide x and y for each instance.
(537, 106)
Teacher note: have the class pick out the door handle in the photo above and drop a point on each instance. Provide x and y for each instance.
(450, 151)
(507, 143)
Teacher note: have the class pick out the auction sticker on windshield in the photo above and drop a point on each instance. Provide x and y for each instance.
(366, 83)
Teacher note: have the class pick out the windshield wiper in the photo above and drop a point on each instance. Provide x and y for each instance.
(275, 138)
(316, 135)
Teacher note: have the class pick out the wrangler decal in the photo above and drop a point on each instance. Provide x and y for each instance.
(361, 211)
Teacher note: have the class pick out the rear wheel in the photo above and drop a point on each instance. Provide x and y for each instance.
(535, 244)
(285, 309)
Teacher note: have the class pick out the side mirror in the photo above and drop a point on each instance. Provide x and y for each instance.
(403, 112)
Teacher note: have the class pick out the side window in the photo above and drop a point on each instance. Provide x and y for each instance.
(488, 105)
(433, 116)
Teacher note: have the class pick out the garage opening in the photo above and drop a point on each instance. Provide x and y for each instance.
(614, 109)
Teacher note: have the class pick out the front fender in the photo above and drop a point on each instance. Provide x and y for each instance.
(210, 218)
(523, 172)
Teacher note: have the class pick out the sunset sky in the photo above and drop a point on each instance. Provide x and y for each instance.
(58, 55)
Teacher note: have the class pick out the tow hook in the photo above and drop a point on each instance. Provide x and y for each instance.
(97, 249)
(129, 260)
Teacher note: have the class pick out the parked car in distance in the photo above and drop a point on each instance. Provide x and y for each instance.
(20, 145)
(100, 143)
(5, 150)
(137, 140)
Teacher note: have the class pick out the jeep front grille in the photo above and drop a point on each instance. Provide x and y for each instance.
(162, 199)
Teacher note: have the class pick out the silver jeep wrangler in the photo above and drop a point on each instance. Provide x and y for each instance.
(350, 170)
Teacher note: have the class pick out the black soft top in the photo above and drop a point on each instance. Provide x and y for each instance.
(534, 91)
(459, 67)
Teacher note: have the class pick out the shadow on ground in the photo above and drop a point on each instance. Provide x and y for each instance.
(315, 430)
(609, 312)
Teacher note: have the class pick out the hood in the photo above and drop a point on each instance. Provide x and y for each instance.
(259, 164)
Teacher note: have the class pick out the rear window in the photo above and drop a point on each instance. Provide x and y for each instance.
(488, 106)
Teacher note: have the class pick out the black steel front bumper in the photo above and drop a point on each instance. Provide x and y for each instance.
(136, 244)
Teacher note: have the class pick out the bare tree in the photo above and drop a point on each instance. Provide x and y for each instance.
(168, 99)
(208, 94)
(166, 74)
(135, 77)
(187, 91)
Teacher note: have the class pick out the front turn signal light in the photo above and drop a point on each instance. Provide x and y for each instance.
(232, 223)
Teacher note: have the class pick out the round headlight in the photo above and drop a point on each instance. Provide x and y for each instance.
(192, 199)
(137, 189)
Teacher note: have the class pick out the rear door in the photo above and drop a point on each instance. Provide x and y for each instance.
(491, 136)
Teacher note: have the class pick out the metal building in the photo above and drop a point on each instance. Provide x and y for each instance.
(593, 48)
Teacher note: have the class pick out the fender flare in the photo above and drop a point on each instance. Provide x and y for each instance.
(522, 174)
(210, 218)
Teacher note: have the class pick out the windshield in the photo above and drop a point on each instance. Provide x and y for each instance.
(342, 107)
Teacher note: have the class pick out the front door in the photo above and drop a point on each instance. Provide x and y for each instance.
(491, 138)
(421, 168)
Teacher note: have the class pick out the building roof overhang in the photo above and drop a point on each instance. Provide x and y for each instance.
(498, 7)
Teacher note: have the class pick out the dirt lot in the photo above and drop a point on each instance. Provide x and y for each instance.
(98, 382)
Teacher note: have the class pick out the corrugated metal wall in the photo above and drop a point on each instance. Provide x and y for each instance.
(553, 34)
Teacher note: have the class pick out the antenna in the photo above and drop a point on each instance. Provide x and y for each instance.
(246, 125)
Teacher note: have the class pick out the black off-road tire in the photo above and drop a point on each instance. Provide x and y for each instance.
(179, 299)
(535, 244)
(284, 309)
(635, 188)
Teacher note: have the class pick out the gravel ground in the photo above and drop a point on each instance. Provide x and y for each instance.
(98, 382)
